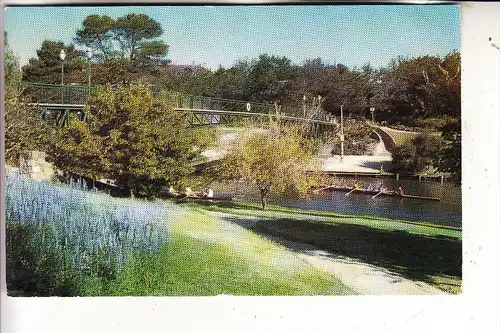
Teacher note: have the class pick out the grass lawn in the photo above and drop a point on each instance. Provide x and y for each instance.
(210, 256)
(417, 251)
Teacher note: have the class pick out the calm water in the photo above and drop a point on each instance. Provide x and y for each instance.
(448, 211)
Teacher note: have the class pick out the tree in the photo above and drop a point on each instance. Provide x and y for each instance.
(112, 71)
(420, 87)
(24, 128)
(134, 33)
(11, 63)
(451, 154)
(47, 68)
(268, 78)
(421, 154)
(97, 35)
(135, 139)
(274, 160)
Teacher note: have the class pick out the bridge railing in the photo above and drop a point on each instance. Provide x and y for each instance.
(53, 93)
(213, 103)
(79, 94)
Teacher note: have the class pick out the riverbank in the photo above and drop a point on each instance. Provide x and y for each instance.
(369, 255)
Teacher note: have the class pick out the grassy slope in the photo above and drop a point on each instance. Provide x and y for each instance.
(210, 256)
(324, 217)
(418, 251)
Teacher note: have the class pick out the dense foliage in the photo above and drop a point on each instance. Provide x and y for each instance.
(11, 62)
(123, 49)
(433, 152)
(56, 234)
(130, 137)
(405, 91)
(131, 36)
(451, 152)
(48, 66)
(24, 128)
(419, 154)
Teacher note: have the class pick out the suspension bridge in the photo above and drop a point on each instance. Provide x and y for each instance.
(58, 101)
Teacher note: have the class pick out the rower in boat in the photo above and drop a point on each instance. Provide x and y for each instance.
(401, 192)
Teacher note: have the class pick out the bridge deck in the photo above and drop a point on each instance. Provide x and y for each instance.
(256, 114)
(58, 106)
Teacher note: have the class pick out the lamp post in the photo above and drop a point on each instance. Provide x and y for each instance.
(62, 55)
(89, 57)
(372, 110)
(341, 133)
(304, 105)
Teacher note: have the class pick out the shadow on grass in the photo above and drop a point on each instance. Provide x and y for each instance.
(222, 205)
(415, 257)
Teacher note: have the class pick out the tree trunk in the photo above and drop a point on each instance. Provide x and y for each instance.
(263, 193)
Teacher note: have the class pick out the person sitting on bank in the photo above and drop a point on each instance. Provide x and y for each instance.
(401, 192)
(210, 193)
(171, 191)
(189, 192)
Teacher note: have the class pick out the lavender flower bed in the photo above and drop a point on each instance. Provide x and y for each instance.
(87, 224)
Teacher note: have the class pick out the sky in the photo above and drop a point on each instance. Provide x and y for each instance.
(215, 36)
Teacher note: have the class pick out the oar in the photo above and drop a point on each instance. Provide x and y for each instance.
(322, 189)
(376, 195)
(354, 189)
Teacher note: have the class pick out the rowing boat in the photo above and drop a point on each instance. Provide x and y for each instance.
(201, 197)
(353, 190)
(215, 197)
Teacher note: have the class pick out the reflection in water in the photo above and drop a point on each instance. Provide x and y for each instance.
(448, 211)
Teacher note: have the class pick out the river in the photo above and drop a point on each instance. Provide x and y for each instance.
(447, 211)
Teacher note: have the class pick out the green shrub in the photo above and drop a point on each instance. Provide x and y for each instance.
(435, 123)
(36, 268)
(420, 154)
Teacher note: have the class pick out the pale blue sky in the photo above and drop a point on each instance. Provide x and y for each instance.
(213, 35)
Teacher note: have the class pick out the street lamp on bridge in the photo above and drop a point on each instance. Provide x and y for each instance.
(372, 110)
(341, 133)
(89, 54)
(62, 55)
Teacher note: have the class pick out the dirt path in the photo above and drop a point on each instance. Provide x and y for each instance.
(380, 149)
(363, 278)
